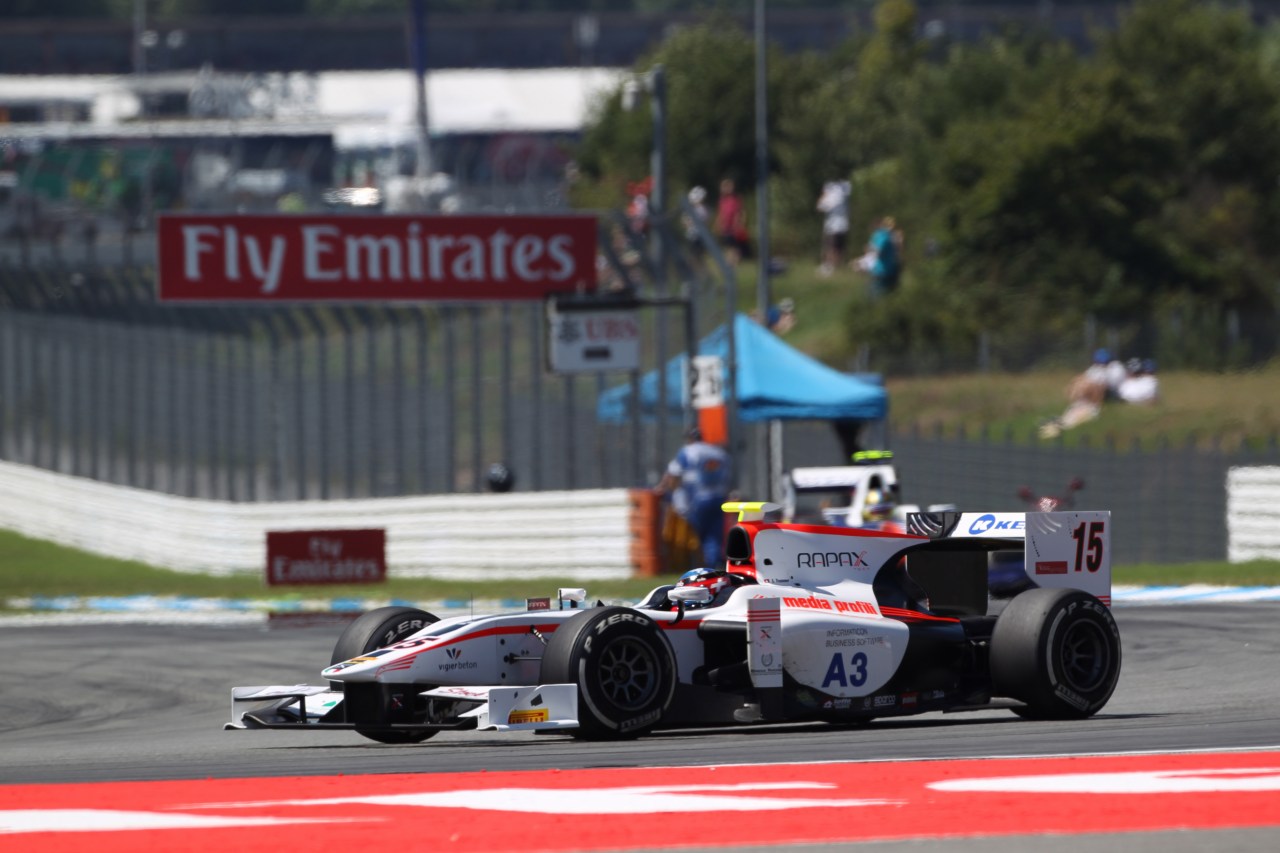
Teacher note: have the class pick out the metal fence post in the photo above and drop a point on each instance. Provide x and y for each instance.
(424, 401)
(49, 396)
(274, 412)
(346, 441)
(570, 436)
(399, 454)
(7, 413)
(477, 400)
(322, 391)
(537, 322)
(298, 434)
(504, 382)
(449, 315)
(250, 446)
(371, 445)
(74, 395)
(222, 343)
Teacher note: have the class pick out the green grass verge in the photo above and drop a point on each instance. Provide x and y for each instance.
(1201, 409)
(1252, 573)
(30, 567)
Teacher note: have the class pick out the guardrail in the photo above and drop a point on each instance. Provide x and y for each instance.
(584, 534)
(1253, 513)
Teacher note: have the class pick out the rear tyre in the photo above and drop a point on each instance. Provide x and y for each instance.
(1057, 651)
(376, 629)
(623, 666)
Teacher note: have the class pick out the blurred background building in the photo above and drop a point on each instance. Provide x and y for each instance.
(103, 122)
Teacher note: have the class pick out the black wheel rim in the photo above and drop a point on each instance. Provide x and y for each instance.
(628, 673)
(1085, 657)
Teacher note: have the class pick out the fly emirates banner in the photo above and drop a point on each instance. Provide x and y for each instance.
(373, 258)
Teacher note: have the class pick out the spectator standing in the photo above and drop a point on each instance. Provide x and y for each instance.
(833, 204)
(697, 480)
(697, 204)
(638, 208)
(731, 223)
(883, 256)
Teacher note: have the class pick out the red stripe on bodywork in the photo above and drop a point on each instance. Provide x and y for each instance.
(914, 615)
(831, 531)
(407, 661)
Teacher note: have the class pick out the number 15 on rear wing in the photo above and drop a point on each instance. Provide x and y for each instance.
(1069, 550)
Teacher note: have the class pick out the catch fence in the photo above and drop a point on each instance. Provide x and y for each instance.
(319, 401)
(322, 402)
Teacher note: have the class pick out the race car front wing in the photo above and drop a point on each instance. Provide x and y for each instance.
(305, 706)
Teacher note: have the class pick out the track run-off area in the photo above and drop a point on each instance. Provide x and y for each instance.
(111, 739)
(620, 809)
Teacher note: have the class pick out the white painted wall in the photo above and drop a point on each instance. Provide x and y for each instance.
(582, 535)
(1253, 513)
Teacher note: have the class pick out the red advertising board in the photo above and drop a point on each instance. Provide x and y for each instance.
(373, 258)
(326, 556)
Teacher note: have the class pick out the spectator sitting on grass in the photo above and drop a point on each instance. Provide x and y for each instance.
(1141, 385)
(1085, 395)
(781, 318)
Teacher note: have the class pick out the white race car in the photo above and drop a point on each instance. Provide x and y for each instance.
(809, 622)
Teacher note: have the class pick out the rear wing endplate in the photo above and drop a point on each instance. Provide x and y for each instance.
(1070, 550)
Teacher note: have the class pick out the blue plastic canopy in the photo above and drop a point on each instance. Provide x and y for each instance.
(774, 381)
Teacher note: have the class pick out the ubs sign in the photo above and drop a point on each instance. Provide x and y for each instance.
(584, 340)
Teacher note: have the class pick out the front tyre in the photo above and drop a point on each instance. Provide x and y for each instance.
(623, 666)
(377, 629)
(1057, 651)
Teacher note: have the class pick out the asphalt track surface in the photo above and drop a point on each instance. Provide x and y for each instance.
(136, 702)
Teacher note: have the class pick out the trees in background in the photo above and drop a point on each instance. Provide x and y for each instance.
(710, 116)
(1137, 184)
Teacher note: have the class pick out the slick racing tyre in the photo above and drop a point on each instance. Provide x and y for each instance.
(379, 628)
(623, 666)
(1058, 651)
(374, 630)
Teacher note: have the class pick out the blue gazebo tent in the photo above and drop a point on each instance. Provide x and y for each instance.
(775, 381)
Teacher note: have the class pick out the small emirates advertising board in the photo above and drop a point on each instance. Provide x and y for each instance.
(326, 556)
(214, 258)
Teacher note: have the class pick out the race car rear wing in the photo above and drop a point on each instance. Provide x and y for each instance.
(1060, 549)
(954, 525)
(952, 554)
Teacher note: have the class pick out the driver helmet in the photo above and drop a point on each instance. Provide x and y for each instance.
(715, 580)
(879, 506)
